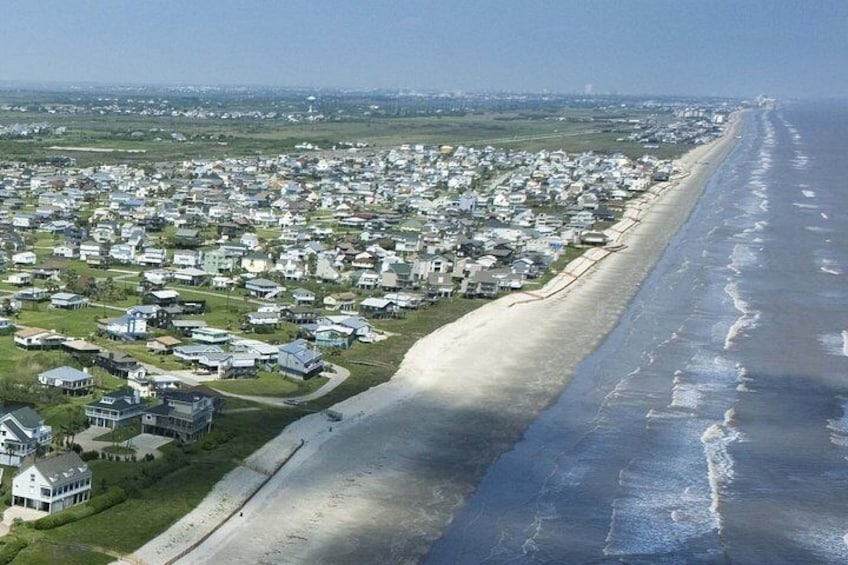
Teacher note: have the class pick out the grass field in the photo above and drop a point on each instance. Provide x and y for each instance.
(149, 138)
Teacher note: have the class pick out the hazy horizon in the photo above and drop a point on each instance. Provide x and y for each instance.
(652, 47)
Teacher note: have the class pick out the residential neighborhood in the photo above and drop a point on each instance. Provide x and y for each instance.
(151, 310)
(254, 268)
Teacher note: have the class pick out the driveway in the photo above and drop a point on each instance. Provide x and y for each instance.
(25, 514)
(142, 443)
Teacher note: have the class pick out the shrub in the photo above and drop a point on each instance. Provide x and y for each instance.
(113, 496)
(89, 455)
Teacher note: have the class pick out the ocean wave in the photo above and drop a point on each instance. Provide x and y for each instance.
(716, 440)
(823, 215)
(742, 256)
(746, 321)
(830, 267)
(808, 193)
(665, 500)
(805, 206)
(684, 395)
(742, 379)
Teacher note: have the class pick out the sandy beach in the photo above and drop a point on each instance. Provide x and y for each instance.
(381, 485)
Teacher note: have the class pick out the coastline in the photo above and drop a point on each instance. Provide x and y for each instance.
(382, 484)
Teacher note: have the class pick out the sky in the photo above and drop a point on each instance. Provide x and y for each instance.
(783, 48)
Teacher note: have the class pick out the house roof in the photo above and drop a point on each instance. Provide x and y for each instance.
(60, 469)
(81, 346)
(163, 294)
(192, 272)
(188, 323)
(65, 374)
(119, 399)
(373, 302)
(300, 350)
(17, 432)
(65, 296)
(29, 332)
(27, 417)
(167, 340)
(199, 349)
(261, 283)
(117, 356)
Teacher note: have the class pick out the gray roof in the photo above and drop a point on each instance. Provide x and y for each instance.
(355, 322)
(188, 323)
(198, 349)
(66, 374)
(262, 283)
(60, 469)
(300, 350)
(65, 296)
(122, 398)
(28, 417)
(17, 432)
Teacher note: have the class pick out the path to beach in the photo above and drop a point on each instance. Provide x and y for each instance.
(380, 486)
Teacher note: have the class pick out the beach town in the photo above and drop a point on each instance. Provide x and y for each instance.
(170, 298)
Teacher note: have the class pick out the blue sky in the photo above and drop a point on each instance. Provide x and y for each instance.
(706, 47)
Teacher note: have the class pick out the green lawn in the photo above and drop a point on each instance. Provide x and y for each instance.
(217, 139)
(269, 384)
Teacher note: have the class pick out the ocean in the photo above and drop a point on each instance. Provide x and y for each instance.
(711, 425)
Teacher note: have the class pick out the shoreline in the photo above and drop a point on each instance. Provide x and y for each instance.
(382, 484)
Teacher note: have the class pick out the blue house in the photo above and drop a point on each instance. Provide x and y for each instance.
(298, 360)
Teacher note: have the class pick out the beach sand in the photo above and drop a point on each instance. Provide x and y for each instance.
(382, 484)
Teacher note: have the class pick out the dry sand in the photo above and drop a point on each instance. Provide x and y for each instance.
(381, 485)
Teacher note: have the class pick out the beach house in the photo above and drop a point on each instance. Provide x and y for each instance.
(186, 416)
(70, 381)
(298, 360)
(22, 432)
(116, 408)
(52, 484)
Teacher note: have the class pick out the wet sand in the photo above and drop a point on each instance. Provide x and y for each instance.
(382, 484)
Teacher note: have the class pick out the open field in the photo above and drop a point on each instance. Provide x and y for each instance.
(140, 140)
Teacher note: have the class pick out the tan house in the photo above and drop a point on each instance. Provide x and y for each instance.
(163, 345)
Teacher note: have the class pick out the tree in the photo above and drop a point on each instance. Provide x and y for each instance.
(70, 277)
(75, 422)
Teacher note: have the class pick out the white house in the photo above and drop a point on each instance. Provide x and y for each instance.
(20, 279)
(70, 381)
(187, 258)
(129, 326)
(211, 335)
(52, 484)
(68, 301)
(24, 258)
(22, 431)
(66, 250)
(91, 250)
